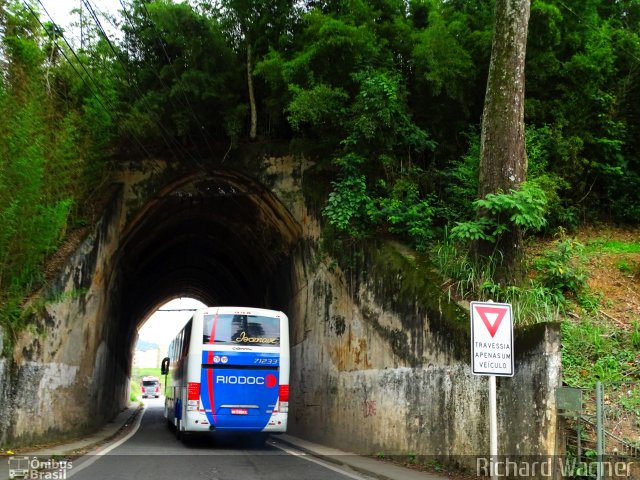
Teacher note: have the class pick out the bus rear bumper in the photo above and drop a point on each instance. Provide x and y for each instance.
(277, 423)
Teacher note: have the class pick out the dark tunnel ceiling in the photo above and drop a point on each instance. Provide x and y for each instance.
(217, 239)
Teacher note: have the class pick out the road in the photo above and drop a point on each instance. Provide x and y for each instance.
(153, 453)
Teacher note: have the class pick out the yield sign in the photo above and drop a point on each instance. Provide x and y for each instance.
(491, 339)
(499, 313)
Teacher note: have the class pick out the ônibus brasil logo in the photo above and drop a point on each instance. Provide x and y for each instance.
(35, 468)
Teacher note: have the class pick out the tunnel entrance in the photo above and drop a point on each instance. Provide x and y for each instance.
(159, 328)
(220, 239)
(382, 343)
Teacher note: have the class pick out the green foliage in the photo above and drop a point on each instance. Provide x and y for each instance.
(173, 82)
(500, 212)
(540, 143)
(635, 334)
(51, 158)
(395, 84)
(472, 279)
(440, 58)
(561, 269)
(379, 120)
(462, 182)
(577, 84)
(466, 275)
(135, 391)
(592, 350)
(348, 205)
(406, 214)
(390, 91)
(315, 107)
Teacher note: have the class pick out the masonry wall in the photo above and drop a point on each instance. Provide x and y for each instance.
(63, 377)
(381, 365)
(380, 357)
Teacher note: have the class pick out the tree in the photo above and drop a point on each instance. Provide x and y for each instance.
(181, 85)
(255, 26)
(503, 160)
(53, 142)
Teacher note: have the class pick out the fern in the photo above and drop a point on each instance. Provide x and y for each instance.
(500, 212)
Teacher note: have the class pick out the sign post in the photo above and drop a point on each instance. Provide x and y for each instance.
(492, 355)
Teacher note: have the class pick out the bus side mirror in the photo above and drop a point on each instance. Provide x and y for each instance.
(164, 369)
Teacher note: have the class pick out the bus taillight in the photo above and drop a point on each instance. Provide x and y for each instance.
(283, 401)
(284, 393)
(193, 391)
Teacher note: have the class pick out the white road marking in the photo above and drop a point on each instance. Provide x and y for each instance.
(94, 457)
(322, 463)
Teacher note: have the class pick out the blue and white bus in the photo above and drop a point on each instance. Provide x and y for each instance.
(229, 371)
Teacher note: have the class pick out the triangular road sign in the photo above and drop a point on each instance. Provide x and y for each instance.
(491, 339)
(500, 312)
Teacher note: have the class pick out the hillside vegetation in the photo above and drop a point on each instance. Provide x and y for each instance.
(386, 96)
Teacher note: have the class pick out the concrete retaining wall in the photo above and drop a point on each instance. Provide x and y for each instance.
(380, 358)
(381, 365)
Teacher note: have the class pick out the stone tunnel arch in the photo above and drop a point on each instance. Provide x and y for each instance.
(378, 342)
(220, 238)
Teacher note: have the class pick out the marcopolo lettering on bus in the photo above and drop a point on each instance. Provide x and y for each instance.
(239, 380)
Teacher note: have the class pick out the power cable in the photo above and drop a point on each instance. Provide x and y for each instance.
(62, 52)
(187, 104)
(175, 73)
(168, 136)
(594, 29)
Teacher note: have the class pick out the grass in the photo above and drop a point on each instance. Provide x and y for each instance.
(532, 302)
(135, 392)
(593, 348)
(138, 373)
(612, 246)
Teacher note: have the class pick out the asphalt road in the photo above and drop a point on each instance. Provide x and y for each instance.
(153, 453)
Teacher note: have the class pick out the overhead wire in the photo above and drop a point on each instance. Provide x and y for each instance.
(107, 39)
(53, 39)
(94, 16)
(167, 137)
(196, 162)
(594, 29)
(101, 101)
(188, 103)
(175, 73)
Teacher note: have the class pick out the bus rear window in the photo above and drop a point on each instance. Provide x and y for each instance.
(241, 330)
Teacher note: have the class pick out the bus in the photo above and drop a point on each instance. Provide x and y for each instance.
(228, 371)
(150, 386)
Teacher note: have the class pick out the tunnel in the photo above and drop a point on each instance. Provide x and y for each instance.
(379, 353)
(221, 238)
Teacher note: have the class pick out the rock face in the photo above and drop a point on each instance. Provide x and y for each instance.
(380, 358)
